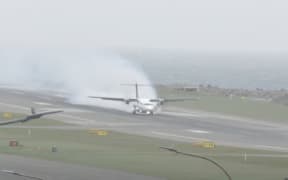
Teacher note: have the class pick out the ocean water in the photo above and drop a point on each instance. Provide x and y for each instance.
(228, 70)
(233, 70)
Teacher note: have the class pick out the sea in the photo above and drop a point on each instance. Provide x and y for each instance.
(225, 70)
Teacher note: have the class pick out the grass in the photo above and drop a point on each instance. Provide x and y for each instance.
(236, 106)
(139, 154)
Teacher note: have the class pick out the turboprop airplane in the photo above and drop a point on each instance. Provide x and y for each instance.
(142, 105)
(33, 115)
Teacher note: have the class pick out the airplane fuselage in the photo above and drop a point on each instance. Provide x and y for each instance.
(145, 106)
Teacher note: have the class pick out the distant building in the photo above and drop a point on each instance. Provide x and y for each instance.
(188, 88)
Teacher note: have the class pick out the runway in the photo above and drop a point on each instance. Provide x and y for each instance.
(177, 126)
(183, 127)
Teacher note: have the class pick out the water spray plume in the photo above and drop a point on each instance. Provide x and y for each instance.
(78, 73)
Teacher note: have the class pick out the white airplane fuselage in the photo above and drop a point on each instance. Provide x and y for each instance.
(145, 106)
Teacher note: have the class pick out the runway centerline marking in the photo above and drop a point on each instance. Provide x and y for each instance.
(43, 103)
(198, 131)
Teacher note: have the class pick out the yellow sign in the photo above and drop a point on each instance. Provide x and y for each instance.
(206, 144)
(7, 115)
(102, 133)
(98, 132)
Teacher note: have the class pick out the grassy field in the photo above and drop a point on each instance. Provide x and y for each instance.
(139, 154)
(236, 106)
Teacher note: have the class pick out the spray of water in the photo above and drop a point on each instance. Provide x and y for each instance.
(78, 73)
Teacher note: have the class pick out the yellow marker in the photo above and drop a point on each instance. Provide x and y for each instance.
(206, 144)
(98, 132)
(7, 115)
(102, 133)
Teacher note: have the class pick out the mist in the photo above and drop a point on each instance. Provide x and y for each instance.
(75, 73)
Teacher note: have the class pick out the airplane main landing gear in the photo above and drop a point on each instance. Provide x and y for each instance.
(150, 113)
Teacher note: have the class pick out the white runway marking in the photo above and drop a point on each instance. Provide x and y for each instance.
(82, 121)
(178, 136)
(42, 103)
(278, 148)
(73, 110)
(198, 131)
(183, 114)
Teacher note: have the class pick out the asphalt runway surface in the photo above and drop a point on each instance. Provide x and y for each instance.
(182, 127)
(185, 127)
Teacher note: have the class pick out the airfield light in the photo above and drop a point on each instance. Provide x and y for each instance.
(199, 157)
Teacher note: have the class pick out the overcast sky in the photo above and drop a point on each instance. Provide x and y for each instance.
(201, 25)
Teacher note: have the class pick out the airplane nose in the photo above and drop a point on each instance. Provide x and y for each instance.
(151, 107)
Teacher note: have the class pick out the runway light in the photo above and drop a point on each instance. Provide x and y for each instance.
(13, 143)
(54, 149)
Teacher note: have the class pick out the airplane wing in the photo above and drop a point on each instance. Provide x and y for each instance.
(114, 99)
(29, 117)
(164, 100)
(108, 98)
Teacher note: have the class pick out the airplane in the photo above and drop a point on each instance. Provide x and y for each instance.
(142, 105)
(33, 115)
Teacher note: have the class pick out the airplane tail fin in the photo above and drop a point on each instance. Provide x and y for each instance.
(136, 85)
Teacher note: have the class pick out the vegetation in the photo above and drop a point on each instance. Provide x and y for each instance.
(140, 155)
(235, 106)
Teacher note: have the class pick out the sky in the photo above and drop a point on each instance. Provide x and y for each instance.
(206, 25)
